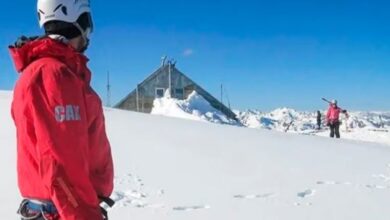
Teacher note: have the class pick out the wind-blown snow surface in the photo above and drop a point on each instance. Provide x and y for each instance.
(169, 168)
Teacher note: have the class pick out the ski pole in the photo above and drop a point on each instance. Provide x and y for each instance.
(343, 110)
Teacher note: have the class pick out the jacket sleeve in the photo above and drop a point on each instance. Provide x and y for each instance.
(101, 163)
(57, 108)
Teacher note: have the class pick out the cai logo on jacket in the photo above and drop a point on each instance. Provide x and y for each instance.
(67, 113)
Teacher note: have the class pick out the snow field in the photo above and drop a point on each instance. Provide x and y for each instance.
(169, 168)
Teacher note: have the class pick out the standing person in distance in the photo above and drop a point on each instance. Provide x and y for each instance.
(65, 167)
(346, 118)
(319, 120)
(333, 119)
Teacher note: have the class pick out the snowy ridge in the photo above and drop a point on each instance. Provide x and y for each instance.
(278, 119)
(364, 126)
(304, 121)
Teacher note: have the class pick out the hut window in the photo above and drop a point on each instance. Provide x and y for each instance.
(160, 92)
(179, 93)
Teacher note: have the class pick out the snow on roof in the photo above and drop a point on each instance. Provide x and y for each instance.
(195, 107)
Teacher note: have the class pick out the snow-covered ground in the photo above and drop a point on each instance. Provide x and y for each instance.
(169, 168)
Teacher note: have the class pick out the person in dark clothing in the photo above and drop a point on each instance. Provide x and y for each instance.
(335, 129)
(319, 120)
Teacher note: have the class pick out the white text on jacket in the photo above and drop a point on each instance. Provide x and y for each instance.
(67, 113)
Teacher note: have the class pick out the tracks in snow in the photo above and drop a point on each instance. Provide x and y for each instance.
(132, 192)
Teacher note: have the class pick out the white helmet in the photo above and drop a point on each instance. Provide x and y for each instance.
(334, 102)
(61, 10)
(68, 11)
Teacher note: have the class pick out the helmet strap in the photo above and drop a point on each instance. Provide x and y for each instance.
(84, 35)
(58, 38)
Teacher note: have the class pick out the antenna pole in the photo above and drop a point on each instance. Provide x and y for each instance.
(108, 90)
(170, 78)
(221, 96)
(163, 60)
(137, 97)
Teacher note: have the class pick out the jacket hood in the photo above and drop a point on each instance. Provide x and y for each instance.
(26, 51)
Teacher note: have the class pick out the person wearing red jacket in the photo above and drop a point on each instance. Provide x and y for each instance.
(64, 163)
(333, 118)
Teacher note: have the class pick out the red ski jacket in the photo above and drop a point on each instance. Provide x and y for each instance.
(63, 152)
(333, 114)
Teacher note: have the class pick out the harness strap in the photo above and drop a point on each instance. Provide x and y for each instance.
(40, 206)
(108, 201)
(104, 213)
(110, 204)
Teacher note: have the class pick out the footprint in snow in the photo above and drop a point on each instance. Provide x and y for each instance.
(384, 177)
(129, 179)
(303, 204)
(260, 196)
(117, 196)
(190, 208)
(130, 192)
(306, 193)
(377, 186)
(333, 183)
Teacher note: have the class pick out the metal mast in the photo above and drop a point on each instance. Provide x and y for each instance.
(108, 90)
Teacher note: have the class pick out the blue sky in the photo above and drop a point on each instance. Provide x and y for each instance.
(267, 54)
